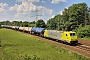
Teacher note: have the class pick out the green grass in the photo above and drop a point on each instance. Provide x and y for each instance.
(0, 43)
(86, 38)
(17, 46)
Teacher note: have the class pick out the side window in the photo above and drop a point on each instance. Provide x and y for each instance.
(66, 35)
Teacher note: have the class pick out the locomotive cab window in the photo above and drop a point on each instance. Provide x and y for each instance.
(66, 35)
(72, 34)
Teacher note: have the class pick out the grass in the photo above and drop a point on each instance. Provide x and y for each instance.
(86, 38)
(17, 46)
(0, 43)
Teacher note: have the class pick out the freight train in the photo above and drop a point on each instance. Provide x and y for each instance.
(63, 36)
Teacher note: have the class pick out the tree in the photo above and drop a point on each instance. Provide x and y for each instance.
(65, 19)
(33, 22)
(83, 31)
(52, 23)
(25, 24)
(89, 14)
(40, 23)
(77, 14)
(8, 22)
(55, 23)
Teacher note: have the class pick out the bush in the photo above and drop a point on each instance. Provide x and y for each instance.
(0, 26)
(83, 31)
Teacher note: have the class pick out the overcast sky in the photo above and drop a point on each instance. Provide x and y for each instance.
(24, 10)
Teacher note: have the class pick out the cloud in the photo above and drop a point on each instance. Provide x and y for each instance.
(33, 0)
(43, 1)
(61, 12)
(45, 10)
(3, 18)
(3, 7)
(66, 7)
(28, 0)
(25, 9)
(53, 16)
(2, 10)
(57, 1)
(20, 0)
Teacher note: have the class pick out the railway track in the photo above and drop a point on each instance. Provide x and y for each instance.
(83, 47)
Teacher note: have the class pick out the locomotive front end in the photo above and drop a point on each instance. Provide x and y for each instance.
(73, 37)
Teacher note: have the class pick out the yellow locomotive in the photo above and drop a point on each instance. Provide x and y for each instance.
(65, 36)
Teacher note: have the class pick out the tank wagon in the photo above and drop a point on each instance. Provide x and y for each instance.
(6, 26)
(21, 28)
(38, 31)
(64, 36)
(10, 27)
(3, 26)
(13, 27)
(27, 29)
(16, 27)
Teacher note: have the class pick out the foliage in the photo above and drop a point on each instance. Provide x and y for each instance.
(89, 17)
(55, 23)
(0, 26)
(83, 31)
(27, 47)
(19, 23)
(71, 18)
(51, 24)
(40, 23)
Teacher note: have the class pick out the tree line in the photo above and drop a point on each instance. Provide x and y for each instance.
(18, 23)
(73, 18)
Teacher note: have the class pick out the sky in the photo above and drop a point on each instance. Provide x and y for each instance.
(32, 10)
